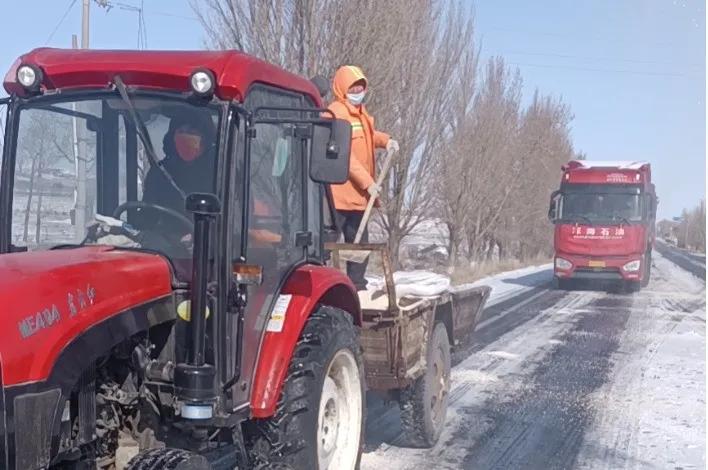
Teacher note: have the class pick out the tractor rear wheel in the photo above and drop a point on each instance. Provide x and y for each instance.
(319, 421)
(168, 459)
(424, 404)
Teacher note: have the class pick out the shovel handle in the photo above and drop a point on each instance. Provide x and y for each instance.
(370, 204)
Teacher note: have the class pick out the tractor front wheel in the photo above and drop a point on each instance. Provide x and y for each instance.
(319, 420)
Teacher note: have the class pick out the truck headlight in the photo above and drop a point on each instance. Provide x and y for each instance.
(632, 266)
(563, 264)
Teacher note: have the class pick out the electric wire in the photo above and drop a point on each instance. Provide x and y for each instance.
(61, 20)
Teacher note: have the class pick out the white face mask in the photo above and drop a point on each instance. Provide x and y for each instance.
(356, 98)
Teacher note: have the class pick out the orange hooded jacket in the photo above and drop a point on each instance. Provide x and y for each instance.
(352, 195)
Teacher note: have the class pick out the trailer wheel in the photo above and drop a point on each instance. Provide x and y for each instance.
(319, 421)
(424, 404)
(168, 459)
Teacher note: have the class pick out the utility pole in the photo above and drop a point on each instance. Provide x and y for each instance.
(80, 135)
(85, 25)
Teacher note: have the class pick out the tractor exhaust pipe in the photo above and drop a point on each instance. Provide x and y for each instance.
(194, 380)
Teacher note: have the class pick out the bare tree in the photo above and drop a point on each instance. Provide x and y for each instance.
(35, 157)
(691, 231)
(409, 54)
(489, 149)
(545, 139)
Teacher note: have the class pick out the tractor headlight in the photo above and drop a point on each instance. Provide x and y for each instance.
(563, 264)
(632, 266)
(202, 82)
(29, 77)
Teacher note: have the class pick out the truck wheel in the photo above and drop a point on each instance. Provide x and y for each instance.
(168, 459)
(647, 269)
(424, 404)
(319, 421)
(561, 284)
(632, 287)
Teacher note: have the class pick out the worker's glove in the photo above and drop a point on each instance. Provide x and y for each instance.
(373, 190)
(392, 146)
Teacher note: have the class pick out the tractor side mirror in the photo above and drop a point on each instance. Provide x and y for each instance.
(329, 151)
(554, 206)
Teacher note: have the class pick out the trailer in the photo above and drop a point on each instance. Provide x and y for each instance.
(407, 342)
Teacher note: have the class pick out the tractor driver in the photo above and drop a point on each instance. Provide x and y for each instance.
(190, 157)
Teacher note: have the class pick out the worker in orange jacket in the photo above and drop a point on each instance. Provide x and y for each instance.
(350, 87)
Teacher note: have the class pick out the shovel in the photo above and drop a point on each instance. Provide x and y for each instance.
(359, 256)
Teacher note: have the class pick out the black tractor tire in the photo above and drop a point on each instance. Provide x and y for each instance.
(168, 459)
(288, 440)
(646, 276)
(424, 405)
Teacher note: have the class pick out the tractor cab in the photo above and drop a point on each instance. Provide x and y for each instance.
(136, 188)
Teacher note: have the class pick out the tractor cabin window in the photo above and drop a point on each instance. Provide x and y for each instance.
(276, 206)
(76, 159)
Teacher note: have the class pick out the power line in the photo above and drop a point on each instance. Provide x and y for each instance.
(605, 59)
(142, 27)
(172, 15)
(56, 28)
(590, 69)
(575, 36)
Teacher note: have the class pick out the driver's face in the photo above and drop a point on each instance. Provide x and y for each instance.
(189, 143)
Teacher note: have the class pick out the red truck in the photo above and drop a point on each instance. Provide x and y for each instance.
(604, 215)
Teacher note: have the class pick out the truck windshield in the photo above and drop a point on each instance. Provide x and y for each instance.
(76, 160)
(601, 207)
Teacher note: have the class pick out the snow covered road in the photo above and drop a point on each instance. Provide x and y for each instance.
(581, 379)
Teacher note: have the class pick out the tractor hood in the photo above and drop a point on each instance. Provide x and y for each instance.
(600, 240)
(49, 298)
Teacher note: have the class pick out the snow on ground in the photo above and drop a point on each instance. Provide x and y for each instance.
(638, 404)
(651, 413)
(512, 283)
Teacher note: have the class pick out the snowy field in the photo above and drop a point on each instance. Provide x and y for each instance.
(557, 380)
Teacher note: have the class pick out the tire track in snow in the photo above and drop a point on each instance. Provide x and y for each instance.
(647, 412)
(543, 427)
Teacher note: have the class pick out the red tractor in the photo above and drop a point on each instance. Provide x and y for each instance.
(163, 274)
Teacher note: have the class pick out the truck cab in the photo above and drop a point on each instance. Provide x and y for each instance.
(604, 218)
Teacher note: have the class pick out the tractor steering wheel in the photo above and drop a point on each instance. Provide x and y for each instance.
(188, 224)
